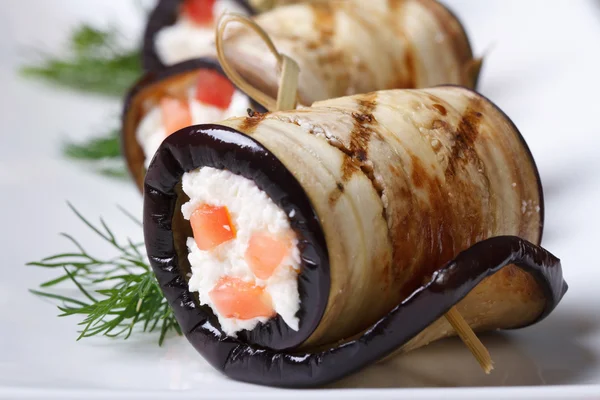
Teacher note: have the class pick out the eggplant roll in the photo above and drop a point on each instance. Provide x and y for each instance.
(355, 46)
(179, 30)
(343, 47)
(192, 92)
(297, 247)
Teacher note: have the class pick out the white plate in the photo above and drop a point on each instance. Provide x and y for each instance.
(542, 68)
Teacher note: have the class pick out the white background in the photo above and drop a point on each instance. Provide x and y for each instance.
(542, 68)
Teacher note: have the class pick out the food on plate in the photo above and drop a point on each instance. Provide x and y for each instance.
(343, 232)
(342, 47)
(193, 92)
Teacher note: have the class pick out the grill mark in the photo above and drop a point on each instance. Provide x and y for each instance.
(402, 232)
(463, 150)
(326, 54)
(323, 20)
(253, 119)
(463, 154)
(439, 245)
(360, 136)
(419, 175)
(386, 274)
(439, 216)
(406, 67)
(355, 156)
(393, 5)
(409, 60)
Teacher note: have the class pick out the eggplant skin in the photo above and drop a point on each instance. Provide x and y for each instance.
(164, 14)
(149, 84)
(250, 358)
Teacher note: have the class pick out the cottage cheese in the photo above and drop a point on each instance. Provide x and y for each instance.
(251, 210)
(186, 40)
(151, 131)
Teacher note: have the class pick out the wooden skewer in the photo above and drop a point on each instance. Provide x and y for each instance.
(286, 100)
(470, 339)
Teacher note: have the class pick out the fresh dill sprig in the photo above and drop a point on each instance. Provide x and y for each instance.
(103, 153)
(117, 294)
(96, 148)
(114, 171)
(97, 63)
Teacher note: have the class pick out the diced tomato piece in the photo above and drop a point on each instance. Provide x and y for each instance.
(211, 226)
(265, 252)
(175, 113)
(199, 11)
(235, 298)
(214, 89)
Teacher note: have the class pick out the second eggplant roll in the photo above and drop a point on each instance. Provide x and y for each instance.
(298, 247)
(192, 92)
(343, 46)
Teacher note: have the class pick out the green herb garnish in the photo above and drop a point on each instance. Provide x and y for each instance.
(118, 294)
(97, 148)
(103, 154)
(117, 172)
(97, 63)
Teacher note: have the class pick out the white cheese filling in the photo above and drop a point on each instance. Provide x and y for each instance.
(186, 40)
(151, 131)
(251, 211)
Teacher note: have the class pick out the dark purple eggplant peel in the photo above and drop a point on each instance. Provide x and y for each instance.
(516, 282)
(174, 80)
(165, 13)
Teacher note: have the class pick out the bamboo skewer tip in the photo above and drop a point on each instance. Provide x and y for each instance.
(470, 339)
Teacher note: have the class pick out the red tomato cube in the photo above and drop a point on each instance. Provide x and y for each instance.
(199, 11)
(211, 226)
(214, 89)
